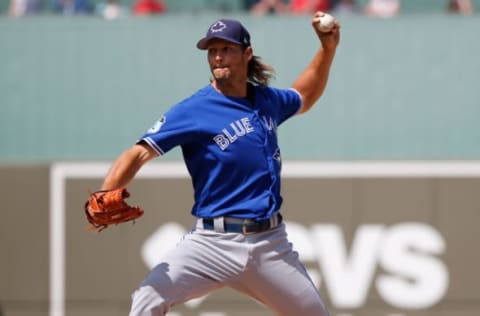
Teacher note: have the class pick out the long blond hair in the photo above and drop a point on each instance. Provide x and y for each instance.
(259, 73)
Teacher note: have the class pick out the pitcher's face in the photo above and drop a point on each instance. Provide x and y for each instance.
(228, 61)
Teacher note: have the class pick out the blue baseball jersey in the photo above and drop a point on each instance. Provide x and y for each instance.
(230, 148)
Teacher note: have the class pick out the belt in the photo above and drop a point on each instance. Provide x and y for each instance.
(238, 225)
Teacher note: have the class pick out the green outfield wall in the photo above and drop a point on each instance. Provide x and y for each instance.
(84, 88)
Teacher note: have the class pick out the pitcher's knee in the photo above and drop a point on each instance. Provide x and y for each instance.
(315, 308)
(303, 306)
(146, 301)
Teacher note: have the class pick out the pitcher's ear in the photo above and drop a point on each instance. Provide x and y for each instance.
(249, 52)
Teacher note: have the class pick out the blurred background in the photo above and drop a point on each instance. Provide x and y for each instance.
(81, 80)
(403, 85)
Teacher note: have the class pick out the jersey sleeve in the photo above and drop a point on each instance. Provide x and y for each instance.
(288, 102)
(176, 127)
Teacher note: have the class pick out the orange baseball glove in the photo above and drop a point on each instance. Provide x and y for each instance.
(108, 207)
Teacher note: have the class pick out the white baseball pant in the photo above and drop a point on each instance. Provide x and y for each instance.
(262, 265)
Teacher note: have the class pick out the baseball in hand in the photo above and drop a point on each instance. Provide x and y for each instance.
(326, 23)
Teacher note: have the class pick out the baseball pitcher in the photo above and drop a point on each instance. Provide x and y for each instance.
(227, 131)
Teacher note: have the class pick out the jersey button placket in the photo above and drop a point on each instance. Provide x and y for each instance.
(267, 151)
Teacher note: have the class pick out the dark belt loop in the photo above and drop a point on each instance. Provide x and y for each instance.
(246, 227)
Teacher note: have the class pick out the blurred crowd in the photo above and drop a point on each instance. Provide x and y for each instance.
(113, 9)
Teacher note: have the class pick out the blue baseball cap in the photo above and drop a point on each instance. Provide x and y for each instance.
(226, 29)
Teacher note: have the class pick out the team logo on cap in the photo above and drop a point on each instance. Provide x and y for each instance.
(218, 27)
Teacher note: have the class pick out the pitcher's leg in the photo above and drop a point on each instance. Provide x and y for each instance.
(146, 301)
(288, 291)
(180, 277)
(279, 280)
